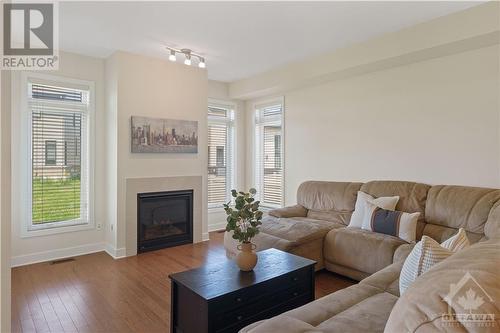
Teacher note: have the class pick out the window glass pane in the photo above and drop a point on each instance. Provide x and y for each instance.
(269, 155)
(217, 175)
(59, 189)
(220, 158)
(50, 152)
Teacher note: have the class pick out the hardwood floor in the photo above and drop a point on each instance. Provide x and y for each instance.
(95, 293)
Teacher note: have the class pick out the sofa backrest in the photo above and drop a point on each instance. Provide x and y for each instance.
(451, 207)
(443, 208)
(412, 196)
(332, 201)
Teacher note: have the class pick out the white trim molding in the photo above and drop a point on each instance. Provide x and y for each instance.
(114, 252)
(68, 252)
(217, 226)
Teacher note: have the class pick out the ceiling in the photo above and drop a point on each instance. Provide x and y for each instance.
(238, 39)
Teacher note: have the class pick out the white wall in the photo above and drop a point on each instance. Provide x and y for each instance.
(420, 104)
(26, 250)
(5, 202)
(220, 91)
(155, 88)
(434, 121)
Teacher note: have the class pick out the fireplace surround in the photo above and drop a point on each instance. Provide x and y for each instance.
(164, 219)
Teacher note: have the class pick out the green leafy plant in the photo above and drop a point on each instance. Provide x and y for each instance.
(244, 219)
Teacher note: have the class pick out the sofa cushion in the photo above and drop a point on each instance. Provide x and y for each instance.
(369, 315)
(291, 211)
(355, 248)
(333, 201)
(412, 196)
(262, 241)
(297, 229)
(330, 305)
(423, 306)
(386, 279)
(451, 207)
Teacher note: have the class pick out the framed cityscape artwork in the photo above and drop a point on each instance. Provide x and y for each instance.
(153, 135)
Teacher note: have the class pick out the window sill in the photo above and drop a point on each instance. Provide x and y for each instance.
(56, 230)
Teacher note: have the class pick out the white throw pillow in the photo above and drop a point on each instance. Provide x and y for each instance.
(424, 255)
(360, 207)
(457, 242)
(391, 222)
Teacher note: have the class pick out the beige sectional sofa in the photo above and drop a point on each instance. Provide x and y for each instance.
(374, 305)
(316, 228)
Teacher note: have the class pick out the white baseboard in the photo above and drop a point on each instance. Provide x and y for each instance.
(217, 226)
(114, 252)
(56, 254)
(204, 237)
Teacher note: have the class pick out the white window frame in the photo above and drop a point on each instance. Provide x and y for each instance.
(24, 155)
(231, 144)
(256, 105)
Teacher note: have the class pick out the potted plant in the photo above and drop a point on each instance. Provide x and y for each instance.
(244, 220)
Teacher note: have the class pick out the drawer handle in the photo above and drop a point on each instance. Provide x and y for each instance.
(238, 299)
(295, 278)
(295, 293)
(239, 317)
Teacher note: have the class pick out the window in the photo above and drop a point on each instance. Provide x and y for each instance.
(59, 172)
(220, 154)
(269, 154)
(50, 152)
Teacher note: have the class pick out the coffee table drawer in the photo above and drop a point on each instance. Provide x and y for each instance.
(234, 300)
(269, 301)
(240, 322)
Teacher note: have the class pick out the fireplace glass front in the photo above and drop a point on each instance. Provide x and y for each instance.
(164, 219)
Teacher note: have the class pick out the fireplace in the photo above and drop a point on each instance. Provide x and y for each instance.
(164, 219)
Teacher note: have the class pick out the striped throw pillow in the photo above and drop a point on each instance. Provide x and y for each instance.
(391, 222)
(424, 255)
(457, 242)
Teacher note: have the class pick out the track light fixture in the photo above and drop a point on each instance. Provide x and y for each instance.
(188, 55)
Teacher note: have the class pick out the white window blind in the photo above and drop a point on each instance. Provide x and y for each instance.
(59, 169)
(220, 154)
(269, 154)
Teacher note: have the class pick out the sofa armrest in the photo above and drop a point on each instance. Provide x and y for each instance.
(292, 211)
(402, 252)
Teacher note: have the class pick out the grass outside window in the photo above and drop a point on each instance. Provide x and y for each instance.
(55, 200)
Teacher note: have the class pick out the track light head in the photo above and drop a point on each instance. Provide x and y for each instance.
(172, 56)
(202, 64)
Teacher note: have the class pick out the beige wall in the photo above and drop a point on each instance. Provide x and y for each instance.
(434, 121)
(220, 91)
(156, 88)
(5, 202)
(465, 30)
(36, 248)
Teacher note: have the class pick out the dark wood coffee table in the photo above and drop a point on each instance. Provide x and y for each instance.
(218, 297)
